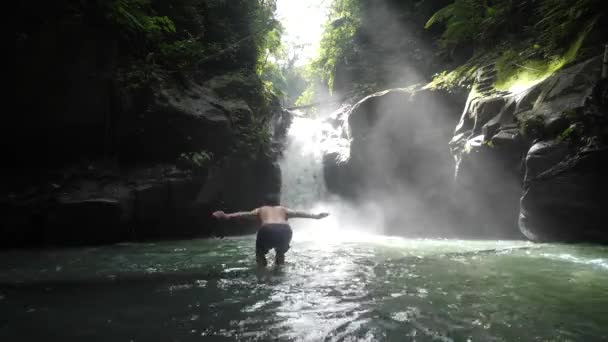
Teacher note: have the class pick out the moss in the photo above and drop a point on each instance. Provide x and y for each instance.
(515, 73)
(525, 49)
(254, 139)
(532, 127)
(461, 77)
(572, 134)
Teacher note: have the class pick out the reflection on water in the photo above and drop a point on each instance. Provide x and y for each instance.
(360, 288)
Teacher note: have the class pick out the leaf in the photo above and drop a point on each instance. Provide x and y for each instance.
(441, 15)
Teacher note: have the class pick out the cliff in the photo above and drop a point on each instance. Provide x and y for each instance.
(134, 120)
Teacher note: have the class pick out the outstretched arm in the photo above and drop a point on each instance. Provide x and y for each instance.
(240, 214)
(302, 214)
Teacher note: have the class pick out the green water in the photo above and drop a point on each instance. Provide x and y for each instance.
(351, 287)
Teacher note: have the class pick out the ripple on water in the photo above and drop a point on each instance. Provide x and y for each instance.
(405, 316)
(364, 290)
(599, 262)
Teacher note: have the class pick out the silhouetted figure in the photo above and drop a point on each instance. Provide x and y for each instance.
(274, 231)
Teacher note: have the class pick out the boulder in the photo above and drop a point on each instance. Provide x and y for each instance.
(564, 197)
(398, 158)
(190, 118)
(508, 144)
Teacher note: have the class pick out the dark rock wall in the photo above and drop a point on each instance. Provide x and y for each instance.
(519, 164)
(546, 146)
(92, 160)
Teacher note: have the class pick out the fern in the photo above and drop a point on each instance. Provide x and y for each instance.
(441, 15)
(462, 20)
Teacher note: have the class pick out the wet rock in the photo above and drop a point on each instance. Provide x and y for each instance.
(564, 194)
(398, 154)
(78, 222)
(338, 175)
(182, 119)
(238, 185)
(86, 209)
(504, 142)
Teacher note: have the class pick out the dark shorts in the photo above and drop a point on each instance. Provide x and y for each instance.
(274, 235)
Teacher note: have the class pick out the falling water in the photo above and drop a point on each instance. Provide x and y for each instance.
(308, 139)
(301, 166)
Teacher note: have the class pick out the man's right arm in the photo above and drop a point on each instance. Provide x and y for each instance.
(302, 214)
(241, 214)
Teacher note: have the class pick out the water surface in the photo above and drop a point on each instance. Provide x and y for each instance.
(349, 287)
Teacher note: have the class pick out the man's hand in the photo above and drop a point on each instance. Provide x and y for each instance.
(220, 215)
(322, 215)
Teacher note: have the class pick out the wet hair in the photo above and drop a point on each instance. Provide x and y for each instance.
(272, 199)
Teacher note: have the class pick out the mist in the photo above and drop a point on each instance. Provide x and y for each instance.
(381, 163)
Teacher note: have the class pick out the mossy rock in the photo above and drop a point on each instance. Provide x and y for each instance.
(532, 127)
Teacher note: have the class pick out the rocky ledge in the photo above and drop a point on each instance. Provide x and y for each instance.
(538, 157)
(187, 152)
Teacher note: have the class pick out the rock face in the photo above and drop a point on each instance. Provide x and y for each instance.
(399, 159)
(148, 190)
(97, 204)
(117, 131)
(545, 145)
(529, 163)
(564, 196)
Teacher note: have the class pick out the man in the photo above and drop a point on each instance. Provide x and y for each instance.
(274, 231)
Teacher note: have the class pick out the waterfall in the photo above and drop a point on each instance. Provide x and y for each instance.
(308, 139)
(303, 185)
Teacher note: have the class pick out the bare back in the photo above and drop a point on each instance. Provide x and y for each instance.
(268, 214)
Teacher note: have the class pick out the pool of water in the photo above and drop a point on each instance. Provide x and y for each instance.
(350, 287)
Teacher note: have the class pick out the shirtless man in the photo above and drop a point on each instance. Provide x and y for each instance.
(274, 231)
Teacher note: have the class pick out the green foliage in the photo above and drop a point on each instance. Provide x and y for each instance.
(517, 70)
(267, 36)
(572, 133)
(336, 42)
(551, 24)
(462, 19)
(180, 47)
(193, 160)
(561, 22)
(489, 143)
(180, 55)
(136, 17)
(273, 79)
(458, 78)
(307, 96)
(254, 139)
(156, 47)
(276, 60)
(527, 40)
